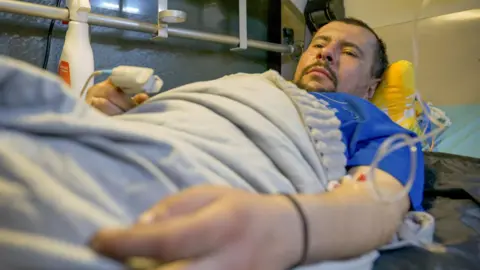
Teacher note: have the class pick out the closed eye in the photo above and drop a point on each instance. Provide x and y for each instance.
(350, 53)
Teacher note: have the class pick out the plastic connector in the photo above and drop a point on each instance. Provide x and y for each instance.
(79, 10)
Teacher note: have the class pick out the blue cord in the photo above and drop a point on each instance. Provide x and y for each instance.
(106, 71)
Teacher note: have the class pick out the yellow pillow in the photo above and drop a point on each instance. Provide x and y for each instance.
(396, 95)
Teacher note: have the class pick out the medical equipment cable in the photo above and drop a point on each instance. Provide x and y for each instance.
(94, 74)
(49, 39)
(391, 144)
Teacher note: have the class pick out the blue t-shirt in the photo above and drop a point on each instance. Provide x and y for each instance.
(364, 128)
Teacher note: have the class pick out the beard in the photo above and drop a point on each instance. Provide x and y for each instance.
(302, 84)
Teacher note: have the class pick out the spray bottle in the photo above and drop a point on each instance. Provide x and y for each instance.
(76, 62)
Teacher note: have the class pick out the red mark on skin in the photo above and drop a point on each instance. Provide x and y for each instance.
(362, 178)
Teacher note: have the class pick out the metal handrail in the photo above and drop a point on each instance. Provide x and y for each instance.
(48, 12)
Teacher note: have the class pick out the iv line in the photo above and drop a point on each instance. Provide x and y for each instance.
(94, 74)
(391, 144)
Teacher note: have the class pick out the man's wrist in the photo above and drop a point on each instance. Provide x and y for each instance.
(288, 246)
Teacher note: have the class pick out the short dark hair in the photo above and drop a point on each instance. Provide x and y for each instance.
(380, 61)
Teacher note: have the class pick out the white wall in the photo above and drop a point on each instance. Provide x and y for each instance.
(449, 45)
(298, 4)
(379, 13)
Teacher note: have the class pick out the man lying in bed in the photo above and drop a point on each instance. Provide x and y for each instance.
(241, 131)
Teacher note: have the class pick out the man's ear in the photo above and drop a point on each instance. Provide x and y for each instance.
(374, 83)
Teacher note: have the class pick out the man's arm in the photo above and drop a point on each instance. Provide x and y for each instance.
(217, 227)
(349, 221)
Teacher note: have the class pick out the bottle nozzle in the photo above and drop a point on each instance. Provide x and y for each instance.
(79, 10)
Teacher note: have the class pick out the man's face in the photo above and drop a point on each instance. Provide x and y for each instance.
(339, 59)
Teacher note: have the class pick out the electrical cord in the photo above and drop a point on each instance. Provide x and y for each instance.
(94, 74)
(49, 39)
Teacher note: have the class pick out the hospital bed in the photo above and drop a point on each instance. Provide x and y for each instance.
(452, 196)
(452, 188)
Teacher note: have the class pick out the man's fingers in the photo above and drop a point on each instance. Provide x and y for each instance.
(180, 238)
(105, 106)
(121, 100)
(184, 203)
(99, 90)
(109, 92)
(140, 98)
(211, 262)
(180, 265)
(225, 258)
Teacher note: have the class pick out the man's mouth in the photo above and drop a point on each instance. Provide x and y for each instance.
(320, 70)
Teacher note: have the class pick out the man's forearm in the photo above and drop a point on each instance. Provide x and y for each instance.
(349, 221)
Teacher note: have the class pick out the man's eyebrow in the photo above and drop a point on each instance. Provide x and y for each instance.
(322, 37)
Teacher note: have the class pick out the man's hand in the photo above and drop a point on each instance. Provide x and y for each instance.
(211, 228)
(222, 228)
(111, 100)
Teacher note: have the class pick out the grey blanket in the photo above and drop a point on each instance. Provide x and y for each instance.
(66, 170)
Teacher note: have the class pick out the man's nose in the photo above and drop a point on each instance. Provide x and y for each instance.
(327, 54)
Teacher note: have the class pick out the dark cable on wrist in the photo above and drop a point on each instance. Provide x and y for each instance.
(306, 236)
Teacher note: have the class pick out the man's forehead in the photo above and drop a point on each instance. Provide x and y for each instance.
(347, 32)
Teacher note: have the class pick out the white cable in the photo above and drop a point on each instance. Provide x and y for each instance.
(94, 74)
(399, 141)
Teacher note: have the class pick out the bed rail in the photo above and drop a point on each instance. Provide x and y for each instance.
(48, 12)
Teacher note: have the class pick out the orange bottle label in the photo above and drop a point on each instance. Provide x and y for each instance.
(64, 72)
